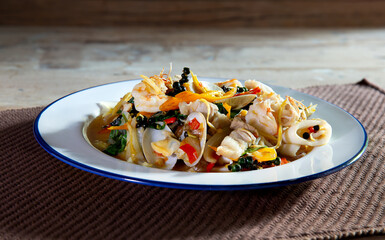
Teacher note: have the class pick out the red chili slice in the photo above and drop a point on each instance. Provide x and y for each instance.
(210, 167)
(255, 90)
(251, 91)
(170, 120)
(105, 130)
(284, 161)
(190, 151)
(194, 124)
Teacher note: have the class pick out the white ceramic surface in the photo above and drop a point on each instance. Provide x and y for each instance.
(58, 129)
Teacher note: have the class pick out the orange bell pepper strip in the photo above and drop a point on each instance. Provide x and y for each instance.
(122, 127)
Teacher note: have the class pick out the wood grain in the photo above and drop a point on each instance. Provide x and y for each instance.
(213, 13)
(39, 65)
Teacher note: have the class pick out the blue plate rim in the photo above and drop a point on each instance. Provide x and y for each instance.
(103, 173)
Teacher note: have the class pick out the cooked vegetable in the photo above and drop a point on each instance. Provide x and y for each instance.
(118, 139)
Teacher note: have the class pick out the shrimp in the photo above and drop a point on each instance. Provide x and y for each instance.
(150, 94)
(251, 84)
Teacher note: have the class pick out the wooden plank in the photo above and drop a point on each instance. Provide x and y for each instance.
(241, 13)
(39, 65)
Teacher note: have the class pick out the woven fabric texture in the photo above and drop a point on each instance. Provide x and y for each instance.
(44, 198)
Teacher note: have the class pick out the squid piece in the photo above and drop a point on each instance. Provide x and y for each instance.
(288, 149)
(302, 133)
(209, 110)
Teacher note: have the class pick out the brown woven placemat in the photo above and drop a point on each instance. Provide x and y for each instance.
(44, 198)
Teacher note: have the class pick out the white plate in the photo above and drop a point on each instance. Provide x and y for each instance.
(58, 129)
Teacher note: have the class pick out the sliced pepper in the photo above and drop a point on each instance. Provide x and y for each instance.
(170, 120)
(190, 151)
(186, 96)
(265, 154)
(284, 161)
(194, 124)
(251, 91)
(209, 167)
(122, 127)
(228, 109)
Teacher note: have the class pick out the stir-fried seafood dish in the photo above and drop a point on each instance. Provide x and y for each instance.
(181, 123)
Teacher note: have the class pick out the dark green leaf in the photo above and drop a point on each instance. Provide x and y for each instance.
(234, 113)
(221, 108)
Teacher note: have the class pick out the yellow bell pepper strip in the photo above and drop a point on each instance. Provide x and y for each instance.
(187, 86)
(265, 154)
(187, 96)
(114, 110)
(228, 109)
(122, 127)
(210, 96)
(173, 102)
(198, 85)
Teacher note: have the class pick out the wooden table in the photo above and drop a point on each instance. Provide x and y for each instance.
(39, 65)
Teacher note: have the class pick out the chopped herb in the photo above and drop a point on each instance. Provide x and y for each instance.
(125, 118)
(119, 141)
(133, 111)
(141, 121)
(252, 149)
(234, 113)
(248, 105)
(277, 161)
(157, 126)
(221, 108)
